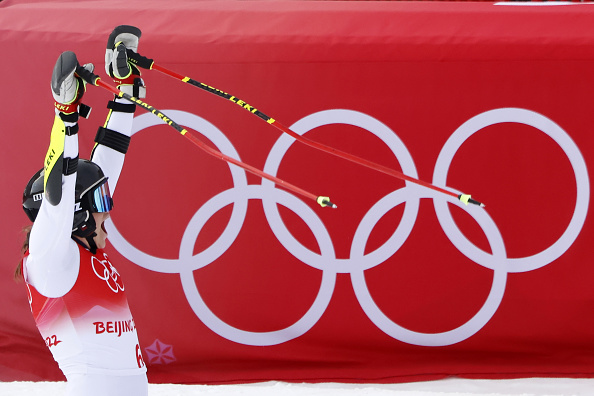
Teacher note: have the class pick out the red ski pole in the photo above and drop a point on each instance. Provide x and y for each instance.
(96, 80)
(150, 64)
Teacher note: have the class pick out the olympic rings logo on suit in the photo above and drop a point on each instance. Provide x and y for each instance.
(359, 261)
(107, 272)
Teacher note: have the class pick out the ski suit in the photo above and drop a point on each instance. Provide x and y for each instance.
(77, 298)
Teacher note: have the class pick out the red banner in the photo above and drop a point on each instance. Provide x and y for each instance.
(231, 279)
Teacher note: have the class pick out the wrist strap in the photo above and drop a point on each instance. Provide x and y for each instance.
(72, 107)
(71, 130)
(70, 165)
(72, 117)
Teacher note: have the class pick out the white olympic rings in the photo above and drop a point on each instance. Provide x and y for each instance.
(359, 261)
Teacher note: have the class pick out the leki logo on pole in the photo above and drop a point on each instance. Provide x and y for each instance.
(359, 261)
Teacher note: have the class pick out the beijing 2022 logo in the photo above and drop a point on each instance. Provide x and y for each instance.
(359, 261)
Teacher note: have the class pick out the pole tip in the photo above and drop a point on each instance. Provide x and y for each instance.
(466, 199)
(325, 202)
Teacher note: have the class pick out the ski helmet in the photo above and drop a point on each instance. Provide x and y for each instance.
(91, 196)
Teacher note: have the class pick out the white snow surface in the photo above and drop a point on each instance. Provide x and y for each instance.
(446, 387)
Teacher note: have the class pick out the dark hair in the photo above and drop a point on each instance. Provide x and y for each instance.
(18, 273)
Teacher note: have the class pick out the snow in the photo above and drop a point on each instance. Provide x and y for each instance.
(447, 387)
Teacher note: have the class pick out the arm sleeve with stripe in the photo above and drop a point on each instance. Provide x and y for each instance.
(53, 261)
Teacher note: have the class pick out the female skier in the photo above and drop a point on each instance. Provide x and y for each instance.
(77, 297)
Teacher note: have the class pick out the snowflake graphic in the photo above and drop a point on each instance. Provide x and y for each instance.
(160, 353)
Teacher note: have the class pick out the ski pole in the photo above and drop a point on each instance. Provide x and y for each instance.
(150, 64)
(93, 79)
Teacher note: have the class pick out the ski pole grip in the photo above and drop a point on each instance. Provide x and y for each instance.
(139, 60)
(87, 75)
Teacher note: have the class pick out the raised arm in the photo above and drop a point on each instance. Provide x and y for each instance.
(52, 264)
(113, 137)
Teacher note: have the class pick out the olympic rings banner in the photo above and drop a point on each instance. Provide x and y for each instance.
(233, 279)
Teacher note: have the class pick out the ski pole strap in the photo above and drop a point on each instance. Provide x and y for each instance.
(112, 139)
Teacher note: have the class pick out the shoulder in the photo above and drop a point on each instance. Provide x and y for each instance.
(53, 275)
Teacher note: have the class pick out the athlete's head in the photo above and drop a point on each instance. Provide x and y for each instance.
(92, 201)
